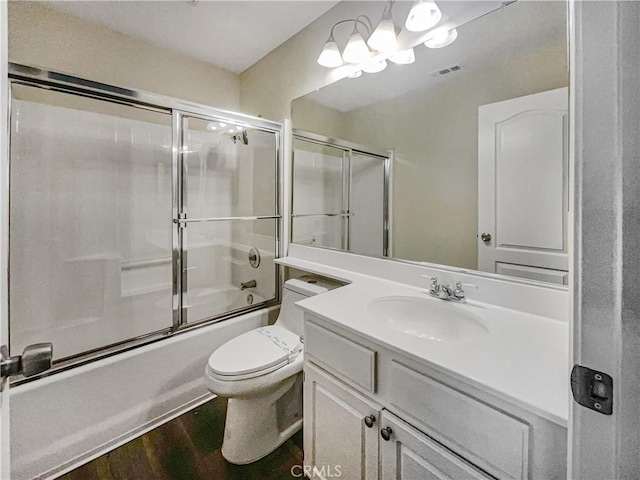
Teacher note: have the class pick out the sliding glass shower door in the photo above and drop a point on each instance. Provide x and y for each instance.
(132, 220)
(90, 212)
(229, 214)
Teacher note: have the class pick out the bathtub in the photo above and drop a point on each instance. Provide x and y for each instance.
(67, 419)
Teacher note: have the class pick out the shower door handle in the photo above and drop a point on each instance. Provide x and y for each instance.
(35, 359)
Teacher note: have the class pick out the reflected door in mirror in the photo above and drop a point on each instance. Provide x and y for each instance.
(523, 187)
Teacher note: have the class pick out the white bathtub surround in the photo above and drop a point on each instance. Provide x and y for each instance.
(89, 410)
(523, 360)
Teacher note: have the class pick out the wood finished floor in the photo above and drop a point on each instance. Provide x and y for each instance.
(188, 448)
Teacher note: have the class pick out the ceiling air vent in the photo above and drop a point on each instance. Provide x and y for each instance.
(446, 71)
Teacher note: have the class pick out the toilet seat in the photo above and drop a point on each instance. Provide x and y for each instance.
(254, 353)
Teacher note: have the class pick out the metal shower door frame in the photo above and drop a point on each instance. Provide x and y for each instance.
(69, 84)
(181, 220)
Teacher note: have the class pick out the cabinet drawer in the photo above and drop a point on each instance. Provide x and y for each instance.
(340, 356)
(496, 442)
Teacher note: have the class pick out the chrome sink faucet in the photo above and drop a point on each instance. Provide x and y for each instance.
(445, 292)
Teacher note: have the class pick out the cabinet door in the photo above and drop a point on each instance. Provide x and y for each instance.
(337, 440)
(409, 454)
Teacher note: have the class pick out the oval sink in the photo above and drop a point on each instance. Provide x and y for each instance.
(425, 318)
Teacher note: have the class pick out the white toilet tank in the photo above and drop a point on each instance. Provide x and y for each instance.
(297, 289)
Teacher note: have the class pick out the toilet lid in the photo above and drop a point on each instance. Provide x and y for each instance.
(264, 350)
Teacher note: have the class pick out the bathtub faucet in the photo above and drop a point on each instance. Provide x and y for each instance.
(249, 284)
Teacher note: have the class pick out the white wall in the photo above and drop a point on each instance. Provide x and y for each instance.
(43, 37)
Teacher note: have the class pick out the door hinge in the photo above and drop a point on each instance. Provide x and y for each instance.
(35, 359)
(592, 389)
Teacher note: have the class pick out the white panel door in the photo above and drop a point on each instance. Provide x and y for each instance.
(340, 441)
(4, 209)
(523, 185)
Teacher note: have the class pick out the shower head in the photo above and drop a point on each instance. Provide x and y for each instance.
(242, 136)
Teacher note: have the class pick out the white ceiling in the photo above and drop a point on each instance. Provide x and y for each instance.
(228, 34)
(491, 39)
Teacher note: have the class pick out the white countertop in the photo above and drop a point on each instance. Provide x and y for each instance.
(524, 359)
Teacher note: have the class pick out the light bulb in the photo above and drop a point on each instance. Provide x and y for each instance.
(356, 50)
(403, 57)
(442, 38)
(239, 128)
(211, 126)
(383, 38)
(355, 74)
(231, 130)
(375, 67)
(222, 124)
(423, 15)
(330, 56)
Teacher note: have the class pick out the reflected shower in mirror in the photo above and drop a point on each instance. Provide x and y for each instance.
(478, 131)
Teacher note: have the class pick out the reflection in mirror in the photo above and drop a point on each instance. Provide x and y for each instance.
(478, 131)
(339, 196)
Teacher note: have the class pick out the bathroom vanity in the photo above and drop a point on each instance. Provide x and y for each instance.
(439, 400)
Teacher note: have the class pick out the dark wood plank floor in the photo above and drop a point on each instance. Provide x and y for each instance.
(188, 448)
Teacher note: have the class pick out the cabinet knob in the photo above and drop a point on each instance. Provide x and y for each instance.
(386, 433)
(369, 421)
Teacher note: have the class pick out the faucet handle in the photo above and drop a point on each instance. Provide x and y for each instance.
(458, 293)
(434, 288)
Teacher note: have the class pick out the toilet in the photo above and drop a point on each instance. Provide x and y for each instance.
(260, 372)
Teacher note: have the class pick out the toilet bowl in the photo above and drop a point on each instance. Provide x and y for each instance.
(260, 372)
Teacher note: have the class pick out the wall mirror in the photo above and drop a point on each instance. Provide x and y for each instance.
(475, 134)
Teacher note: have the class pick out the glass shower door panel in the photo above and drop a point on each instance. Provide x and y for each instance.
(317, 231)
(317, 179)
(229, 171)
(217, 258)
(366, 226)
(90, 211)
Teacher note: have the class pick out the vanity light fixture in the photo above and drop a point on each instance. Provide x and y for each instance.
(423, 15)
(222, 124)
(356, 50)
(403, 57)
(384, 39)
(375, 67)
(212, 126)
(330, 56)
(442, 38)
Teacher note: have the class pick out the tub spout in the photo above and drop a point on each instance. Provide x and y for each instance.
(249, 284)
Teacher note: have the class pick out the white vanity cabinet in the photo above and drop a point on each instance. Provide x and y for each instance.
(374, 413)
